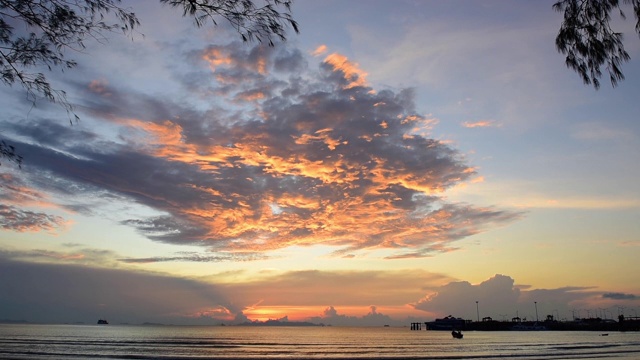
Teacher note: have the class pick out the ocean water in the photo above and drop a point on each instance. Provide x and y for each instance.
(22, 341)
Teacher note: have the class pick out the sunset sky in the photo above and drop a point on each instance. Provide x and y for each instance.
(396, 161)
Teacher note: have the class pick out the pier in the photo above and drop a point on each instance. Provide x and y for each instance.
(631, 323)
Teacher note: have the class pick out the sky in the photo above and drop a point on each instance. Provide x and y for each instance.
(394, 162)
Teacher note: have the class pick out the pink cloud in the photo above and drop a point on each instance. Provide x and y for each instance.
(480, 123)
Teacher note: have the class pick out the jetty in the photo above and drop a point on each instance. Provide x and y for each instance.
(517, 324)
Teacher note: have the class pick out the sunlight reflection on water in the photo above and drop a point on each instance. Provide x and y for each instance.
(150, 342)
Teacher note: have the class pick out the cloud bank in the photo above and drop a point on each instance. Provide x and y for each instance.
(70, 292)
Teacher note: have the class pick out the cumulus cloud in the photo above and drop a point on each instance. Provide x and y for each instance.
(274, 154)
(331, 316)
(459, 297)
(499, 297)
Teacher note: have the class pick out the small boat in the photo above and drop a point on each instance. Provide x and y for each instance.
(457, 334)
(103, 322)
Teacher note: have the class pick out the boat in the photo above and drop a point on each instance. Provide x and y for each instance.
(457, 334)
(103, 322)
(446, 323)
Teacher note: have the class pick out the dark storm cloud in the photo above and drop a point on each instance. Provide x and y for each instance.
(70, 293)
(282, 155)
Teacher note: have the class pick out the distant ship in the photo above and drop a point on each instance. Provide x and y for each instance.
(103, 322)
(446, 323)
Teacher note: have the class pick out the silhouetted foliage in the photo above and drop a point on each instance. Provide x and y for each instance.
(36, 33)
(261, 23)
(589, 42)
(9, 152)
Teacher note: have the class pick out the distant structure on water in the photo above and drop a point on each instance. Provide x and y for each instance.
(517, 324)
(447, 323)
(103, 322)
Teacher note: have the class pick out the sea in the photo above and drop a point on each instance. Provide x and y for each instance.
(30, 341)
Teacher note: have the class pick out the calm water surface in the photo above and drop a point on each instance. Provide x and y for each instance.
(230, 342)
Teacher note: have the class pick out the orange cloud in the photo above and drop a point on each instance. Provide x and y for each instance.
(17, 197)
(216, 57)
(334, 221)
(14, 191)
(312, 295)
(100, 87)
(322, 136)
(348, 315)
(352, 73)
(20, 220)
(319, 50)
(251, 96)
(280, 161)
